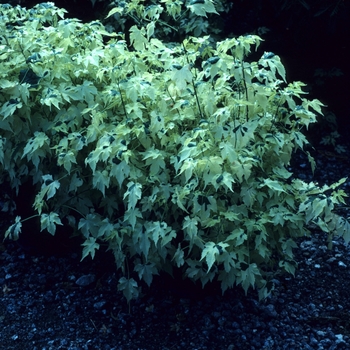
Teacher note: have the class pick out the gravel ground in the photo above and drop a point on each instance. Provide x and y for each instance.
(58, 302)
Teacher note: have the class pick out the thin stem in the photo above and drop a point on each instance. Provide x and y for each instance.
(121, 97)
(194, 86)
(246, 90)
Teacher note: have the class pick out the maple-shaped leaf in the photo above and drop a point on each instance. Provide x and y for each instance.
(49, 222)
(202, 7)
(137, 38)
(90, 247)
(178, 256)
(133, 194)
(9, 107)
(141, 239)
(66, 159)
(100, 180)
(146, 272)
(131, 216)
(49, 186)
(155, 159)
(90, 224)
(129, 288)
(120, 171)
(14, 230)
(247, 275)
(181, 75)
(211, 250)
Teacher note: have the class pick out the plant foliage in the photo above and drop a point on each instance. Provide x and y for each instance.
(172, 154)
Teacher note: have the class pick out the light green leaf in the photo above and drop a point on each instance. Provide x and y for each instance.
(66, 159)
(238, 235)
(211, 250)
(49, 187)
(202, 7)
(133, 194)
(137, 38)
(115, 10)
(182, 76)
(273, 184)
(150, 29)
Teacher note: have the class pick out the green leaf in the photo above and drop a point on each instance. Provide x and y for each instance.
(238, 235)
(9, 107)
(202, 7)
(274, 63)
(119, 10)
(179, 256)
(66, 159)
(100, 180)
(90, 225)
(49, 186)
(211, 250)
(131, 215)
(146, 272)
(150, 29)
(133, 194)
(273, 184)
(129, 288)
(120, 171)
(248, 275)
(290, 268)
(155, 159)
(90, 247)
(106, 229)
(227, 279)
(225, 179)
(182, 77)
(14, 230)
(190, 227)
(49, 222)
(36, 148)
(141, 240)
(137, 38)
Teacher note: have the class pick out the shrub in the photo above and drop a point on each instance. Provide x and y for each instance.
(172, 154)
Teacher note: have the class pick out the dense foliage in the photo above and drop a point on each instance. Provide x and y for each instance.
(174, 154)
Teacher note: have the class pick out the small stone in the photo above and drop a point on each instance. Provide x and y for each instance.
(85, 280)
(340, 263)
(99, 305)
(339, 338)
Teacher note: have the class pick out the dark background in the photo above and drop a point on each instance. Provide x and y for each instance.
(306, 34)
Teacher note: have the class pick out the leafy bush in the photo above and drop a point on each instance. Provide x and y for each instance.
(169, 19)
(172, 154)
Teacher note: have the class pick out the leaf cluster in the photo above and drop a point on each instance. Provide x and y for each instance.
(172, 154)
(168, 20)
